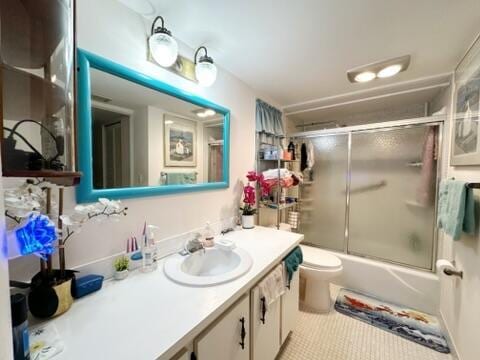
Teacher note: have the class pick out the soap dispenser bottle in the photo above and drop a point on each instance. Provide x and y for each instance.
(208, 236)
(149, 251)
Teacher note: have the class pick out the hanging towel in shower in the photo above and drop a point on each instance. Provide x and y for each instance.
(292, 261)
(272, 286)
(310, 155)
(303, 157)
(456, 208)
(426, 188)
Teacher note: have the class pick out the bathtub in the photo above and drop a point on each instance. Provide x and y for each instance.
(413, 288)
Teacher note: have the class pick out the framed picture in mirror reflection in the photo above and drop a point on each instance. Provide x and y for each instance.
(180, 139)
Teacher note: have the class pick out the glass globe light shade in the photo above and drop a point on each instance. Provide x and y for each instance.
(389, 71)
(206, 73)
(365, 76)
(163, 48)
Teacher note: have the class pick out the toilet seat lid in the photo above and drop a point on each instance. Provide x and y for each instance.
(319, 259)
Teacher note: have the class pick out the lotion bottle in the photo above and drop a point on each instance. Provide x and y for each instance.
(149, 251)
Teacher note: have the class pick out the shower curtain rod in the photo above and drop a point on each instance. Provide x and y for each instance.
(315, 123)
(373, 126)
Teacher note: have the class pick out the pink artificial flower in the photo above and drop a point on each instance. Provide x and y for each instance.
(264, 185)
(249, 195)
(252, 176)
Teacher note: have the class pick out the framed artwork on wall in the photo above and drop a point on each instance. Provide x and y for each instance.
(466, 106)
(180, 139)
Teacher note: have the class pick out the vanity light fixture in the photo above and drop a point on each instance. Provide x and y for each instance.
(163, 47)
(205, 69)
(382, 69)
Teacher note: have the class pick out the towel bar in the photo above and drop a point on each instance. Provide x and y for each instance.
(450, 272)
(472, 185)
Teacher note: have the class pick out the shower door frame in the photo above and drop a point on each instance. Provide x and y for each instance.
(377, 127)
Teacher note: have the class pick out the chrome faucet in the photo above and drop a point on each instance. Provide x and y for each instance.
(226, 231)
(193, 245)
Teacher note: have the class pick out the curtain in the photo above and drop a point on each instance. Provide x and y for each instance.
(268, 121)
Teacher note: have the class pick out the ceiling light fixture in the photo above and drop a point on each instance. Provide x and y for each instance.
(390, 70)
(163, 47)
(204, 113)
(365, 76)
(205, 69)
(381, 69)
(210, 112)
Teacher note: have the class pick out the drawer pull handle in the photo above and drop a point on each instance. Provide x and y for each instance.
(243, 333)
(264, 309)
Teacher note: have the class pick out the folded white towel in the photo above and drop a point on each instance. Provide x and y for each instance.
(272, 286)
(273, 173)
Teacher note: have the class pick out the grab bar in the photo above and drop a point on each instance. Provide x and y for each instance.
(368, 187)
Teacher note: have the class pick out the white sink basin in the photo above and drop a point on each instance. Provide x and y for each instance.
(210, 267)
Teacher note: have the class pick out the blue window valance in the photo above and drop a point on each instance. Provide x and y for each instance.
(269, 120)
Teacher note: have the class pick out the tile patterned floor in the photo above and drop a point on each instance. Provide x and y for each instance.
(335, 336)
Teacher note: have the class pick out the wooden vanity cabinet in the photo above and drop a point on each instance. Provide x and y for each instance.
(265, 324)
(289, 307)
(246, 332)
(228, 337)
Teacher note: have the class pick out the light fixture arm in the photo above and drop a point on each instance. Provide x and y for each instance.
(203, 58)
(161, 28)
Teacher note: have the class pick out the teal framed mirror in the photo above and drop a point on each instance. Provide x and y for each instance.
(138, 136)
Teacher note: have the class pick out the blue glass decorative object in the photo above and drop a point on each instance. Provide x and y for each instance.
(36, 235)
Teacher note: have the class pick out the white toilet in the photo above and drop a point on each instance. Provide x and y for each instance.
(319, 268)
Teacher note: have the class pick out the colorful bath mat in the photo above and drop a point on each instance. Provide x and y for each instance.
(410, 324)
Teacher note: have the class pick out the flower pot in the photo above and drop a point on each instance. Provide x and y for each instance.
(248, 221)
(120, 275)
(50, 295)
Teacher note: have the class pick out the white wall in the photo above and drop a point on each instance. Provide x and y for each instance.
(460, 299)
(111, 30)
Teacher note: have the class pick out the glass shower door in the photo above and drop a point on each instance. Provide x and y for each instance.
(392, 195)
(323, 197)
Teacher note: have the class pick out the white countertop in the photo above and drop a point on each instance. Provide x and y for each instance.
(148, 316)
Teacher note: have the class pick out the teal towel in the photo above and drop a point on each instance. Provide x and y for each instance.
(181, 178)
(292, 262)
(456, 208)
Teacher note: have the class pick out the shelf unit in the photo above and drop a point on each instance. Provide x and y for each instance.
(272, 212)
(37, 50)
(48, 97)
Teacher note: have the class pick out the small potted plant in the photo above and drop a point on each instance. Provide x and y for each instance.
(121, 267)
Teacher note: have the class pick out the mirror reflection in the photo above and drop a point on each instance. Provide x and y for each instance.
(142, 137)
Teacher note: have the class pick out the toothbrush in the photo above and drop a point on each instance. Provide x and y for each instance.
(144, 234)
